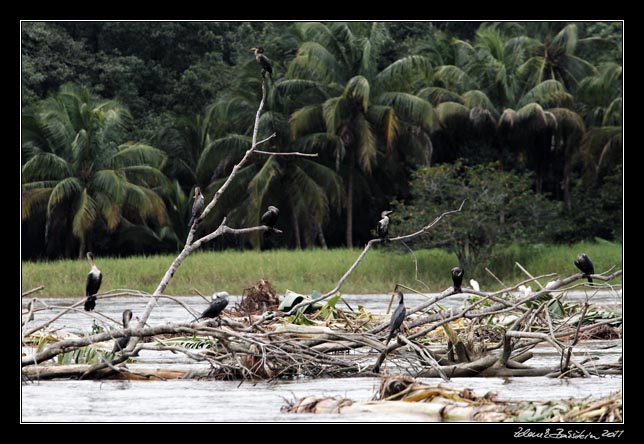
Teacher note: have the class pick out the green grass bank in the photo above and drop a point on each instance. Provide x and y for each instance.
(307, 270)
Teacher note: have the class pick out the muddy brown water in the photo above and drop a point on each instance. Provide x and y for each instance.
(225, 401)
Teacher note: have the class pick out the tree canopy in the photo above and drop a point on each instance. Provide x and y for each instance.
(121, 120)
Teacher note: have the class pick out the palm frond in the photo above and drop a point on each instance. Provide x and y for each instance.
(146, 176)
(436, 95)
(384, 117)
(549, 93)
(67, 189)
(477, 98)
(109, 209)
(366, 144)
(133, 154)
(221, 154)
(453, 78)
(357, 91)
(314, 62)
(33, 200)
(328, 180)
(45, 166)
(306, 120)
(403, 73)
(410, 108)
(260, 184)
(84, 215)
(110, 183)
(335, 111)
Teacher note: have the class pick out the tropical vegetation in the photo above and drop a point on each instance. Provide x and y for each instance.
(122, 120)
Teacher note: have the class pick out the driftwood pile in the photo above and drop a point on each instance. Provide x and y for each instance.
(434, 403)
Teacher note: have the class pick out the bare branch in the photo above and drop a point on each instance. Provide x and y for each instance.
(293, 153)
(367, 247)
(33, 290)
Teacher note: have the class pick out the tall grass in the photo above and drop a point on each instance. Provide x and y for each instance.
(308, 270)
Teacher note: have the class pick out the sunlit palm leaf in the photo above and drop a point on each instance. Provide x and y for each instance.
(33, 200)
(410, 108)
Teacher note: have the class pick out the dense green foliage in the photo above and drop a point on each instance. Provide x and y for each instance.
(121, 120)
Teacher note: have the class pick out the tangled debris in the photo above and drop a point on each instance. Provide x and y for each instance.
(402, 394)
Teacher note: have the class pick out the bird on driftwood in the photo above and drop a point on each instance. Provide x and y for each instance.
(197, 206)
(30, 311)
(457, 278)
(265, 62)
(269, 218)
(92, 283)
(586, 266)
(121, 342)
(382, 229)
(397, 318)
(219, 302)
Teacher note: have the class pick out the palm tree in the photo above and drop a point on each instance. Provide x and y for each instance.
(555, 58)
(343, 100)
(488, 88)
(306, 191)
(78, 171)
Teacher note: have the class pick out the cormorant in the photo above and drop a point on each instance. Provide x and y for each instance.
(457, 278)
(397, 318)
(265, 62)
(586, 266)
(269, 218)
(197, 207)
(92, 284)
(219, 302)
(121, 342)
(382, 229)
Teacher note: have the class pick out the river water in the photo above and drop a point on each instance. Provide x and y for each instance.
(226, 401)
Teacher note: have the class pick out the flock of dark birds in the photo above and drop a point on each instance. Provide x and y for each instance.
(219, 300)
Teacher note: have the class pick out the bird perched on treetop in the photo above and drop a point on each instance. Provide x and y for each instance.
(197, 206)
(586, 266)
(92, 283)
(382, 229)
(265, 62)
(457, 278)
(219, 302)
(121, 342)
(397, 318)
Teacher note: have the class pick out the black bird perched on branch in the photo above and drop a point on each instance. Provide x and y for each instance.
(269, 218)
(92, 283)
(397, 318)
(265, 62)
(586, 266)
(121, 342)
(457, 278)
(382, 229)
(219, 302)
(197, 207)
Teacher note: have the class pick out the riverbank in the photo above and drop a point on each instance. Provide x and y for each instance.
(306, 270)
